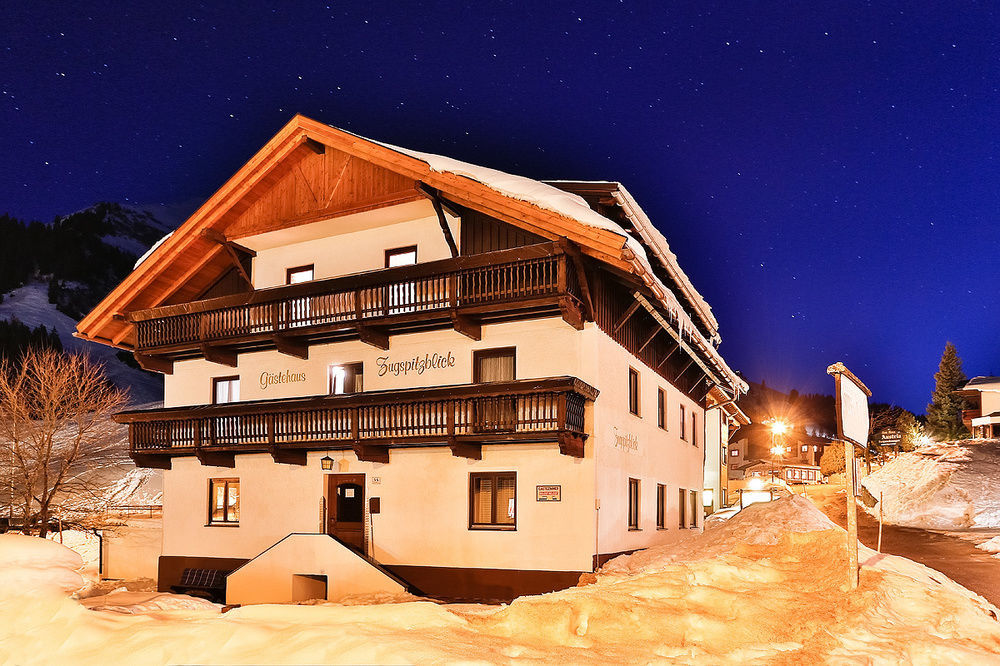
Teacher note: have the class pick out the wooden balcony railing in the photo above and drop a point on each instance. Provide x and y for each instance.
(969, 414)
(501, 284)
(463, 417)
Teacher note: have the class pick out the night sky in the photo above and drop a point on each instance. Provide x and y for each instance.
(829, 176)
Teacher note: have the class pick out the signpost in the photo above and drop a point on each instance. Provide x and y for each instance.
(852, 428)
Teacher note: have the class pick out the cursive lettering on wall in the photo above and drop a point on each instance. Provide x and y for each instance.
(418, 364)
(625, 441)
(286, 377)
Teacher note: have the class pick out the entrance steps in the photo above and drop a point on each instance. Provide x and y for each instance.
(308, 566)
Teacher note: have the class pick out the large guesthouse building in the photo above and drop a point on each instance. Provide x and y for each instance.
(389, 370)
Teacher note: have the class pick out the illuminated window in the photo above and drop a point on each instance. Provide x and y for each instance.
(401, 256)
(300, 274)
(493, 500)
(224, 502)
(225, 389)
(346, 378)
(734, 453)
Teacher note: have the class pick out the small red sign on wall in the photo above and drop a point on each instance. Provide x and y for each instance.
(548, 493)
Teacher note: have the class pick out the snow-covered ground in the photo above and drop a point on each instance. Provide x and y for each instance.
(767, 586)
(30, 304)
(950, 486)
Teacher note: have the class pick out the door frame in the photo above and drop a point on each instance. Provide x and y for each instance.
(330, 484)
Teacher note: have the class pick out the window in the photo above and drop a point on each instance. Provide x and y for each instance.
(225, 389)
(223, 501)
(661, 506)
(401, 256)
(805, 448)
(694, 429)
(300, 274)
(683, 424)
(734, 453)
(633, 504)
(493, 500)
(633, 391)
(693, 501)
(346, 378)
(661, 408)
(494, 365)
(495, 414)
(681, 502)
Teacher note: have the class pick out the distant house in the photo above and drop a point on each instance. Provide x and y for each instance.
(750, 452)
(390, 369)
(982, 418)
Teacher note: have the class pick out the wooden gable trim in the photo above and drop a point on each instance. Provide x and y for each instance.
(602, 244)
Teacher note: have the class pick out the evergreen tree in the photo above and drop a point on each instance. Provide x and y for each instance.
(944, 413)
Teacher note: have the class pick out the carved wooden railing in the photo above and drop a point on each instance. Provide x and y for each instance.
(460, 284)
(525, 410)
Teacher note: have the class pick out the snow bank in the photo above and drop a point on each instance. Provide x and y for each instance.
(943, 486)
(138, 603)
(758, 524)
(33, 566)
(773, 592)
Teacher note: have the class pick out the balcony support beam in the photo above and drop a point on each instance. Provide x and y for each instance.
(291, 346)
(571, 444)
(571, 313)
(469, 450)
(371, 452)
(288, 457)
(154, 363)
(216, 458)
(573, 251)
(152, 462)
(467, 326)
(373, 336)
(219, 355)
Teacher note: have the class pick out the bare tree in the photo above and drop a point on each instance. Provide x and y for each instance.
(55, 427)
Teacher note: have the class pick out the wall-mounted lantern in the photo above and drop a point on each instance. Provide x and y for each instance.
(326, 462)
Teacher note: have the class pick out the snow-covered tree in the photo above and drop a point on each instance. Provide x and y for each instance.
(944, 413)
(58, 444)
(832, 461)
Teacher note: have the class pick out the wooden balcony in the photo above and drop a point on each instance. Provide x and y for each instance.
(462, 417)
(969, 414)
(463, 292)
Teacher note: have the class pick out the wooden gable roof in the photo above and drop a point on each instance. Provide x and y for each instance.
(308, 172)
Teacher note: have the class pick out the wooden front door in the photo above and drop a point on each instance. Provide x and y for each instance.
(346, 501)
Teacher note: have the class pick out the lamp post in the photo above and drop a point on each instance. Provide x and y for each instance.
(778, 429)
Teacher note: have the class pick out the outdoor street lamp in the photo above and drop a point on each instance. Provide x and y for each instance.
(778, 429)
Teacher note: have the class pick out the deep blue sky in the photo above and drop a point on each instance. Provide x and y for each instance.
(828, 173)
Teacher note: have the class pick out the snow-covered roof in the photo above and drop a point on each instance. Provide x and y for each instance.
(982, 381)
(575, 207)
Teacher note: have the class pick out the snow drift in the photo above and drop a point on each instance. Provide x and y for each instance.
(766, 587)
(950, 486)
(30, 566)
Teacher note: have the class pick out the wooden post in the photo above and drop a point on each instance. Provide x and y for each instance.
(852, 517)
(879, 549)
